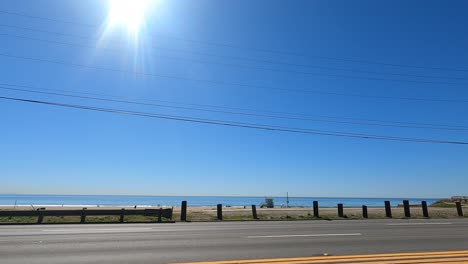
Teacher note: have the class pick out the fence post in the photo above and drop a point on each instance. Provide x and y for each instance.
(316, 209)
(83, 216)
(219, 209)
(160, 215)
(340, 210)
(459, 208)
(254, 211)
(388, 209)
(122, 215)
(40, 217)
(406, 208)
(364, 212)
(424, 209)
(183, 211)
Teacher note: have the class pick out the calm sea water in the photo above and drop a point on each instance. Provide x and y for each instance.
(130, 200)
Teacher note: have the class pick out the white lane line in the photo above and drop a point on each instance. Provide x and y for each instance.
(310, 235)
(405, 224)
(122, 229)
(91, 230)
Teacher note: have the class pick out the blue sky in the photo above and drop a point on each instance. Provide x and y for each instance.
(54, 150)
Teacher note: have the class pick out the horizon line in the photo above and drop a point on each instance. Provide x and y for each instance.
(253, 196)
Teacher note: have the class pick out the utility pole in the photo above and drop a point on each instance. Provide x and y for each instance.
(287, 200)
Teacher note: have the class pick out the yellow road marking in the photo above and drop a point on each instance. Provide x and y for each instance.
(384, 261)
(451, 257)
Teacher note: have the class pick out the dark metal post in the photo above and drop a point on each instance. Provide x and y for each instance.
(406, 208)
(40, 217)
(424, 209)
(122, 215)
(254, 211)
(388, 209)
(364, 212)
(83, 216)
(316, 209)
(219, 208)
(183, 211)
(340, 210)
(160, 215)
(459, 208)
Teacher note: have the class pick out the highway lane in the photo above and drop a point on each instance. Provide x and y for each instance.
(186, 242)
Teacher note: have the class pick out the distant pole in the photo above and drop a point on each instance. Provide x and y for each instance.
(219, 210)
(183, 211)
(459, 208)
(340, 210)
(316, 209)
(424, 209)
(406, 208)
(364, 212)
(287, 200)
(388, 209)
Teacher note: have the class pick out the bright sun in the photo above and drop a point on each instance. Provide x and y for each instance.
(128, 13)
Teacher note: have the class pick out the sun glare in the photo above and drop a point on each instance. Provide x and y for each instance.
(128, 13)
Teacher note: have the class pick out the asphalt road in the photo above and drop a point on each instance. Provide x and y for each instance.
(184, 242)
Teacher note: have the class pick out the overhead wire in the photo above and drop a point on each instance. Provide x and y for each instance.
(290, 53)
(238, 124)
(255, 68)
(294, 114)
(221, 56)
(59, 93)
(225, 83)
(246, 85)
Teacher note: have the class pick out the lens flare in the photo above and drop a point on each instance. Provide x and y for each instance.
(128, 13)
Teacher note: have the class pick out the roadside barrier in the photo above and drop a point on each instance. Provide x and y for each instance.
(168, 212)
(388, 209)
(364, 212)
(254, 211)
(459, 208)
(219, 209)
(406, 208)
(424, 209)
(183, 211)
(316, 209)
(40, 214)
(340, 210)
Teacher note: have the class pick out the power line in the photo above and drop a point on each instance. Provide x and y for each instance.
(289, 53)
(227, 83)
(295, 115)
(250, 67)
(220, 56)
(46, 18)
(433, 127)
(239, 124)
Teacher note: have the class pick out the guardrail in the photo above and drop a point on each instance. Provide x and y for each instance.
(387, 206)
(168, 212)
(159, 213)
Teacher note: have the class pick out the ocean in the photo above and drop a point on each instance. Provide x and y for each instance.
(140, 200)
